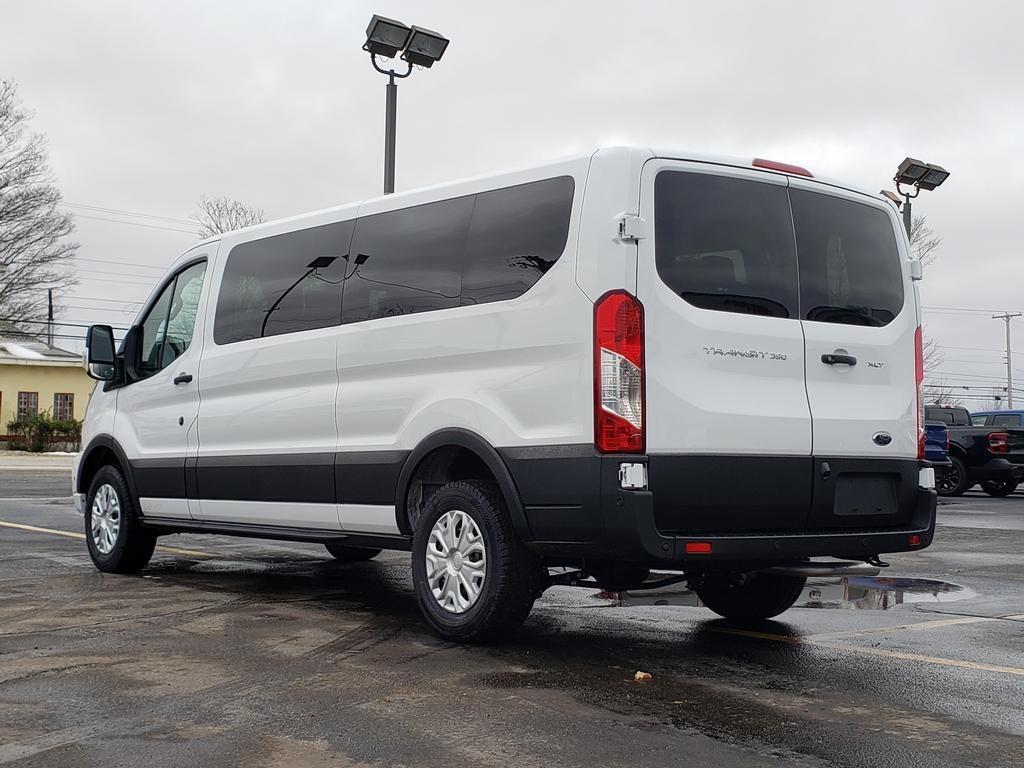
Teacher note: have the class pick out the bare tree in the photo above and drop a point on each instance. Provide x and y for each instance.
(923, 241)
(217, 215)
(34, 252)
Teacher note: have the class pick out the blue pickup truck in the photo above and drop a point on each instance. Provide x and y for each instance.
(936, 448)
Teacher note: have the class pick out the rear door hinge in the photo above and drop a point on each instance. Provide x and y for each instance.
(632, 227)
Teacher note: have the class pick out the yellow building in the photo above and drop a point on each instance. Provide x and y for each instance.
(35, 377)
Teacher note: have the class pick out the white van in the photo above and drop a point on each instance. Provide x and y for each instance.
(628, 360)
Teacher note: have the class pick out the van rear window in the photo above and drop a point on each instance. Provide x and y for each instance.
(754, 247)
(725, 243)
(849, 263)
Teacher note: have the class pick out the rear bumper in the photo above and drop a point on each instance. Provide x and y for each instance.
(998, 469)
(577, 511)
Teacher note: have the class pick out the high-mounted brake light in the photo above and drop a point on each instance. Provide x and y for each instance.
(919, 382)
(999, 442)
(774, 165)
(619, 373)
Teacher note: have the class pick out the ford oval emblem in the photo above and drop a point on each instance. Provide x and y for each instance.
(882, 438)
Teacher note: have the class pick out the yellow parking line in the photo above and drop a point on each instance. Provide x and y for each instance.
(811, 641)
(913, 627)
(940, 660)
(74, 535)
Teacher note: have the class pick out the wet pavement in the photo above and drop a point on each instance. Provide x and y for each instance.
(233, 652)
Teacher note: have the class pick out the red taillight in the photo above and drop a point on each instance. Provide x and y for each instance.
(914, 540)
(619, 374)
(698, 547)
(919, 381)
(998, 442)
(773, 165)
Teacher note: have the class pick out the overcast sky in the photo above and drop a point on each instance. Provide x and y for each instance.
(147, 106)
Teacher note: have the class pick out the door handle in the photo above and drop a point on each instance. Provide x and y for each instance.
(834, 359)
(183, 378)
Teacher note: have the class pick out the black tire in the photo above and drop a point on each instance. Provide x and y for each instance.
(749, 597)
(956, 480)
(348, 554)
(998, 488)
(133, 545)
(513, 578)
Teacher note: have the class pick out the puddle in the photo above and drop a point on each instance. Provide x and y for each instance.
(876, 593)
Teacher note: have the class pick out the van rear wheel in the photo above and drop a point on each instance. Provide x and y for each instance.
(474, 579)
(749, 596)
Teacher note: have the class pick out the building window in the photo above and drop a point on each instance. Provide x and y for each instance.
(28, 405)
(64, 406)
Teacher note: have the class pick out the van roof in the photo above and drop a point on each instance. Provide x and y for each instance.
(628, 154)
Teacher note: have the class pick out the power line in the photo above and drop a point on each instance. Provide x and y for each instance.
(139, 224)
(100, 208)
(122, 263)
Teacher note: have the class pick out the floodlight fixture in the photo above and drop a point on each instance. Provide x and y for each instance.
(892, 197)
(933, 178)
(386, 37)
(910, 171)
(917, 175)
(424, 47)
(321, 262)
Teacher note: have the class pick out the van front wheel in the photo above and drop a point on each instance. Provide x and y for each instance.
(474, 579)
(116, 539)
(749, 596)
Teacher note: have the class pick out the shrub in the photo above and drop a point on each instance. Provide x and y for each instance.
(42, 432)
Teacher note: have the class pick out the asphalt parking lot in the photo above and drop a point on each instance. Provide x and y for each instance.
(233, 652)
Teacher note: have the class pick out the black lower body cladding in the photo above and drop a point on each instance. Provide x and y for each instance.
(745, 508)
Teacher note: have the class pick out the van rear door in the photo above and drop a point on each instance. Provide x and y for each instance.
(728, 427)
(859, 316)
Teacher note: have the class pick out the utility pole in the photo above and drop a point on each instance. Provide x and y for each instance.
(49, 316)
(1006, 317)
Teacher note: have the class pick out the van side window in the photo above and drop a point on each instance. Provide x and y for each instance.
(167, 328)
(516, 235)
(849, 262)
(407, 261)
(726, 243)
(283, 284)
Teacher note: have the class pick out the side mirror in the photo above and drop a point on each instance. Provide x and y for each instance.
(100, 355)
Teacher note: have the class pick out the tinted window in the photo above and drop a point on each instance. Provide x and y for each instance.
(516, 235)
(978, 421)
(167, 329)
(1006, 420)
(407, 261)
(151, 340)
(725, 243)
(283, 284)
(849, 263)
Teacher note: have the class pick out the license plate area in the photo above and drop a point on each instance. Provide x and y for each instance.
(866, 495)
(863, 494)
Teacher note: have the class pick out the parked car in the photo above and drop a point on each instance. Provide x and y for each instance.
(998, 419)
(936, 448)
(992, 456)
(614, 362)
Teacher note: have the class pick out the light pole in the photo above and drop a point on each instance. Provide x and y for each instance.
(917, 175)
(1007, 317)
(384, 39)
